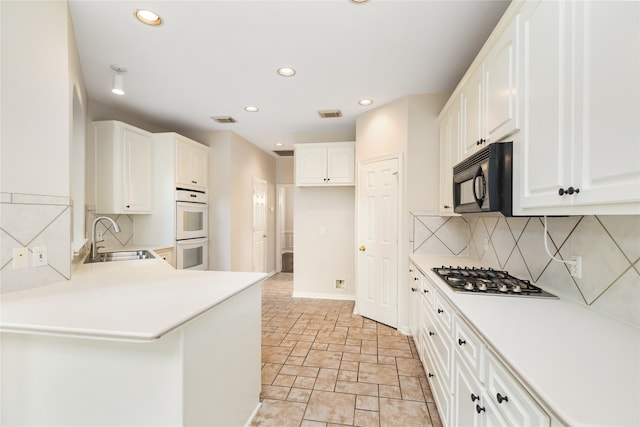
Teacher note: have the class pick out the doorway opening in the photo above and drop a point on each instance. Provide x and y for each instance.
(284, 228)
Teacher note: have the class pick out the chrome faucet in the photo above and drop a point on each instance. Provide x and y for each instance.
(94, 249)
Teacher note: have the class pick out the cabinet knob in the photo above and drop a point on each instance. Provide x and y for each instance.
(474, 397)
(501, 398)
(461, 341)
(440, 311)
(128, 206)
(416, 278)
(414, 290)
(430, 375)
(569, 191)
(479, 409)
(426, 291)
(194, 182)
(431, 333)
(362, 248)
(447, 207)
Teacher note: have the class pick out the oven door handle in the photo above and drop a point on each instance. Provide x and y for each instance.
(479, 175)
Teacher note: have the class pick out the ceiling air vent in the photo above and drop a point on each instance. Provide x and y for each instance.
(284, 153)
(224, 119)
(330, 114)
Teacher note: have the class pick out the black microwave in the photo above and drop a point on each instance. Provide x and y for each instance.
(483, 182)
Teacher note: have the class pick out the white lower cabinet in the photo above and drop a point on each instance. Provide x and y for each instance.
(470, 386)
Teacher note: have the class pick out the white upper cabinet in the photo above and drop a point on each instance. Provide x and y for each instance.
(473, 133)
(579, 152)
(501, 117)
(192, 160)
(123, 168)
(449, 145)
(322, 164)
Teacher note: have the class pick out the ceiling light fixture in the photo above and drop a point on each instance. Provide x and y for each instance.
(118, 79)
(365, 102)
(278, 144)
(148, 17)
(251, 109)
(359, 1)
(286, 71)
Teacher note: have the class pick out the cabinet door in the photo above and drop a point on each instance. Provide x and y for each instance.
(311, 165)
(607, 103)
(340, 165)
(467, 394)
(200, 163)
(500, 86)
(544, 148)
(449, 146)
(472, 115)
(414, 304)
(137, 158)
(184, 166)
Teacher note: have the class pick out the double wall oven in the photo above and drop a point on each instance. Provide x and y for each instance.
(191, 230)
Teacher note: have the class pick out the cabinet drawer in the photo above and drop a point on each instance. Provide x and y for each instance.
(469, 346)
(513, 401)
(439, 389)
(443, 313)
(427, 291)
(439, 344)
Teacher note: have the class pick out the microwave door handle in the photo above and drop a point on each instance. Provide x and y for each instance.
(479, 175)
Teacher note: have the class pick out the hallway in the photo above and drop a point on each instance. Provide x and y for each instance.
(323, 366)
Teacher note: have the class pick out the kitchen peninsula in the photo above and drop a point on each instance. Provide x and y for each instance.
(133, 343)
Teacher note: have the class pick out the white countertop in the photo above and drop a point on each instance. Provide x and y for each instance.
(125, 300)
(584, 366)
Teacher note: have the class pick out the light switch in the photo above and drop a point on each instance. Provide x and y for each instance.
(323, 231)
(39, 256)
(20, 258)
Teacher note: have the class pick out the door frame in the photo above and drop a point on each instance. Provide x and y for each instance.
(279, 217)
(400, 230)
(253, 222)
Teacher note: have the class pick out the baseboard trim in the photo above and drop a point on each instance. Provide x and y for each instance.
(253, 414)
(323, 296)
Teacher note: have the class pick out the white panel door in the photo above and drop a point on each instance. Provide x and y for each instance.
(259, 224)
(137, 171)
(377, 294)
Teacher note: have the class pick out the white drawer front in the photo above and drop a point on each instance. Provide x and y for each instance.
(470, 347)
(443, 314)
(515, 404)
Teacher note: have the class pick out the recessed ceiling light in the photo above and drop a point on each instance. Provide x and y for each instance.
(286, 71)
(365, 102)
(359, 1)
(148, 17)
(251, 109)
(278, 144)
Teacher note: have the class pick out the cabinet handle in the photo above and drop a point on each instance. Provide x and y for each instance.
(410, 271)
(430, 375)
(461, 341)
(501, 398)
(479, 409)
(447, 207)
(414, 290)
(416, 278)
(440, 311)
(569, 191)
(194, 182)
(192, 195)
(128, 206)
(474, 397)
(426, 291)
(431, 333)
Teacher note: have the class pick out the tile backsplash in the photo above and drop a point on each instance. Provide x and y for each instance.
(609, 247)
(27, 221)
(112, 240)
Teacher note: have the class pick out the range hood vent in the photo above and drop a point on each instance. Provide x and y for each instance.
(330, 114)
(224, 119)
(284, 153)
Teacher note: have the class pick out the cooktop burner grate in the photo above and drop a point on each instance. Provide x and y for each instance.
(488, 281)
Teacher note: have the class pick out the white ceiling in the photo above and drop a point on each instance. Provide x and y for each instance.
(213, 58)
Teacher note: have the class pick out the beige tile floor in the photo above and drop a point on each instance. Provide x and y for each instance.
(324, 366)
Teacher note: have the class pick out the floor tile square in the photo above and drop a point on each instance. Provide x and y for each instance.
(299, 395)
(395, 412)
(367, 403)
(278, 413)
(331, 407)
(378, 374)
(323, 359)
(366, 419)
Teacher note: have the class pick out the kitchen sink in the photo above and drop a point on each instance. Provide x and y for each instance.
(120, 256)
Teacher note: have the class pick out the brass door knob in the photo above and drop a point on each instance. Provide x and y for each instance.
(362, 248)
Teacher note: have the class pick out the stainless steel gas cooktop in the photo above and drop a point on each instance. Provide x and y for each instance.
(488, 281)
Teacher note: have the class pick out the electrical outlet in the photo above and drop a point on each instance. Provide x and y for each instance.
(39, 256)
(20, 258)
(99, 235)
(576, 266)
(340, 284)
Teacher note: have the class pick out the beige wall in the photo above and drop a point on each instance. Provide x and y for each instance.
(284, 170)
(319, 258)
(233, 163)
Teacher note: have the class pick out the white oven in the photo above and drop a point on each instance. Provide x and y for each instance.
(192, 254)
(191, 215)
